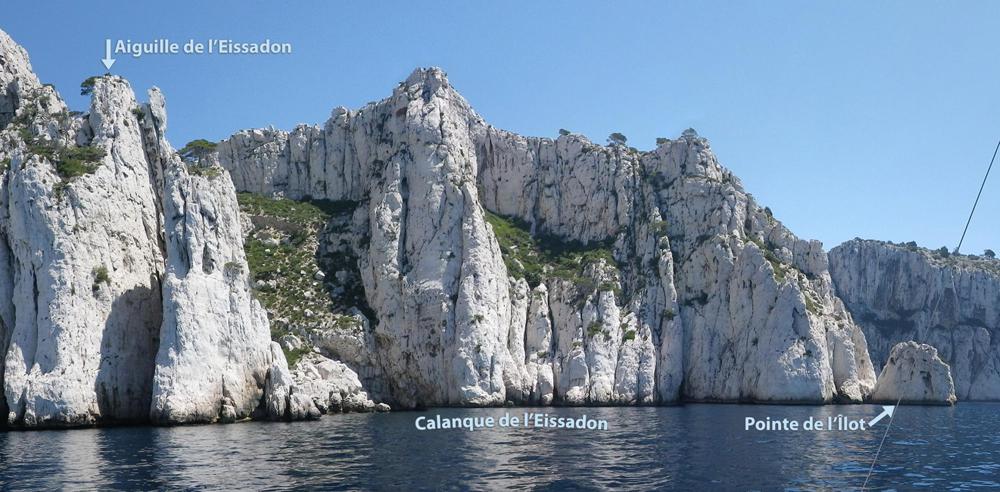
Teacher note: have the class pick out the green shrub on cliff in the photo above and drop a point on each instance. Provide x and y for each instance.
(87, 86)
(537, 258)
(197, 149)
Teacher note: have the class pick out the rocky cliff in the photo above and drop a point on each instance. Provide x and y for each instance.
(899, 293)
(123, 290)
(408, 252)
(499, 268)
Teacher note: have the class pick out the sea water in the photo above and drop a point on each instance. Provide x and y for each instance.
(689, 447)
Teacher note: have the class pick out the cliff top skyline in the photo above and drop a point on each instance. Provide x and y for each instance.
(835, 130)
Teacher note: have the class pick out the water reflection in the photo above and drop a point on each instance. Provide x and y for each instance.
(685, 447)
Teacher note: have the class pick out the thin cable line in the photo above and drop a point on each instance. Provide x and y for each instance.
(960, 241)
(887, 427)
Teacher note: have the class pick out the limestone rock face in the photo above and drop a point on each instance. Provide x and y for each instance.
(331, 385)
(667, 275)
(915, 374)
(87, 334)
(465, 265)
(214, 341)
(16, 78)
(711, 292)
(432, 271)
(284, 400)
(761, 319)
(85, 263)
(898, 293)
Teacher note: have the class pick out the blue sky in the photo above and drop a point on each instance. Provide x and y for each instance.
(870, 119)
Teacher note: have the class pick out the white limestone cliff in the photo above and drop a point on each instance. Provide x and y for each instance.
(84, 254)
(899, 293)
(331, 385)
(703, 291)
(915, 374)
(214, 348)
(493, 268)
(85, 261)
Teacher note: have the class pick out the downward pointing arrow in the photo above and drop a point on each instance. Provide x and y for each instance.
(886, 412)
(107, 60)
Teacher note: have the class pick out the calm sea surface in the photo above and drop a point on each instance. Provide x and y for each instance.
(691, 447)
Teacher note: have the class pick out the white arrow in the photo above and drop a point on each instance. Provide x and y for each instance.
(107, 60)
(886, 412)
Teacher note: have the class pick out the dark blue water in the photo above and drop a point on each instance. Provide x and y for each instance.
(692, 447)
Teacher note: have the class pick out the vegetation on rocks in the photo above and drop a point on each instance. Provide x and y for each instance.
(288, 276)
(87, 86)
(944, 257)
(617, 139)
(209, 172)
(101, 276)
(196, 149)
(72, 162)
(537, 258)
(779, 267)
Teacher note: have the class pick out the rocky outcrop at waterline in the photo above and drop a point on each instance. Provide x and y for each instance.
(915, 374)
(899, 293)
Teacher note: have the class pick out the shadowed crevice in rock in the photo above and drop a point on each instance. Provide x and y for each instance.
(131, 334)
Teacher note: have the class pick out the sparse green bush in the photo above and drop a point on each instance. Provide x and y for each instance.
(101, 276)
(593, 329)
(659, 228)
(628, 335)
(42, 149)
(210, 172)
(661, 141)
(293, 356)
(610, 287)
(617, 139)
(563, 131)
(73, 162)
(197, 149)
(812, 306)
(537, 258)
(283, 271)
(26, 135)
(87, 86)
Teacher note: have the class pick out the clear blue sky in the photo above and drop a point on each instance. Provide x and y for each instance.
(871, 119)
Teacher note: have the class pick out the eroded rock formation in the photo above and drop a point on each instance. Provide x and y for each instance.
(915, 374)
(124, 283)
(408, 252)
(500, 267)
(899, 293)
